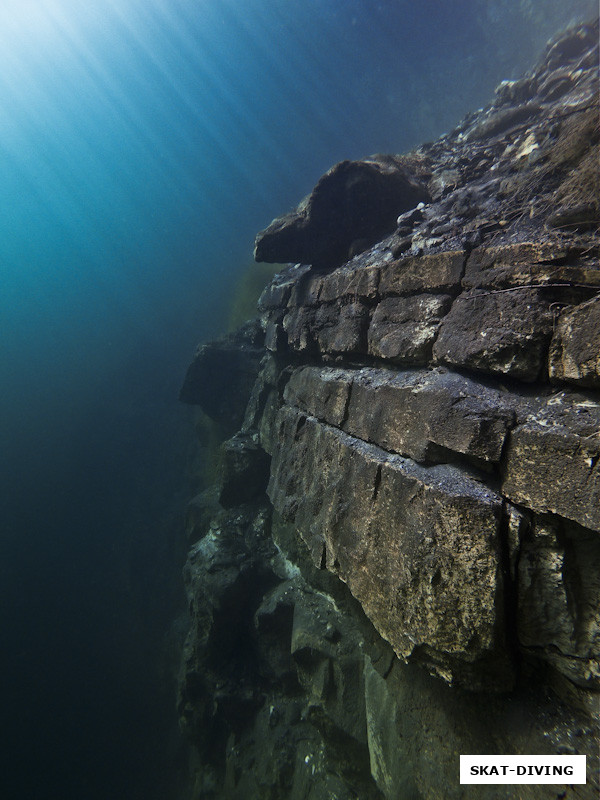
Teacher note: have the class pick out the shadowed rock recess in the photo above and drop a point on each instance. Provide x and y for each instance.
(400, 561)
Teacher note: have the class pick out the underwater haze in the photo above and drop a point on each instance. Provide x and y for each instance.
(143, 143)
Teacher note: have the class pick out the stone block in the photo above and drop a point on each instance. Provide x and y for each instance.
(403, 329)
(267, 423)
(436, 272)
(498, 332)
(342, 329)
(321, 392)
(553, 460)
(275, 338)
(299, 327)
(419, 413)
(328, 328)
(278, 292)
(514, 265)
(358, 283)
(306, 290)
(575, 346)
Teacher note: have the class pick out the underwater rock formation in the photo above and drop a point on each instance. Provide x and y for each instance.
(352, 206)
(222, 374)
(401, 560)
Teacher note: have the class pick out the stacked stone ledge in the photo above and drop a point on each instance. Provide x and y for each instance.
(536, 452)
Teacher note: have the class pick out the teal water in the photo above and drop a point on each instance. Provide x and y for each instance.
(142, 145)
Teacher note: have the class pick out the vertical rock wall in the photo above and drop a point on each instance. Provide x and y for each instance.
(400, 561)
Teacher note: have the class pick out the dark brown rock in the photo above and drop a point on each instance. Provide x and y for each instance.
(342, 329)
(323, 393)
(329, 328)
(526, 263)
(437, 272)
(306, 290)
(359, 283)
(354, 200)
(277, 293)
(416, 414)
(299, 329)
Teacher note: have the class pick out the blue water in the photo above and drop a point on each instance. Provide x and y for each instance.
(142, 145)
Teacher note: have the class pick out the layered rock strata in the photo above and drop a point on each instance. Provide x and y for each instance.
(401, 560)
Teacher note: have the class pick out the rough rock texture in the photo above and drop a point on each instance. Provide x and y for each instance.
(575, 346)
(400, 561)
(418, 547)
(353, 205)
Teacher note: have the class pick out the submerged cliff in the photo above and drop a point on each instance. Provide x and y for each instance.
(399, 560)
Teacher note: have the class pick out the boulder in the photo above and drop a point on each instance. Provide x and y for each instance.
(244, 470)
(222, 374)
(354, 202)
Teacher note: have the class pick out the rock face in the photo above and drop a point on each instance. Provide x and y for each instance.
(401, 560)
(418, 547)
